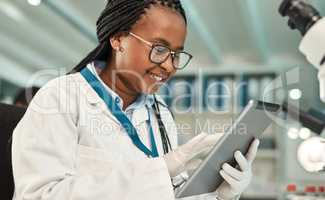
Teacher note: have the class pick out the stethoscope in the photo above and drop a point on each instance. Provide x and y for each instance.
(167, 147)
(165, 139)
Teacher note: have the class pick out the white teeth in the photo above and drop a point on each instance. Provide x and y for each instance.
(157, 78)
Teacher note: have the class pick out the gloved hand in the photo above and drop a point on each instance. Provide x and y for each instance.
(237, 181)
(189, 153)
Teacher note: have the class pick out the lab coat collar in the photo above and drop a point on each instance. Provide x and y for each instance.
(139, 107)
(139, 110)
(140, 116)
(95, 67)
(161, 101)
(95, 98)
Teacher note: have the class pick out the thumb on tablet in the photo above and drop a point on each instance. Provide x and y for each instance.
(251, 154)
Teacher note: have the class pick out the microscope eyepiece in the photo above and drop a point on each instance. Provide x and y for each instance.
(302, 16)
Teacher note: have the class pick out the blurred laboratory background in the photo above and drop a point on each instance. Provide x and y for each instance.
(243, 49)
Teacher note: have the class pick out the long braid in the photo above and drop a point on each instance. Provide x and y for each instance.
(120, 16)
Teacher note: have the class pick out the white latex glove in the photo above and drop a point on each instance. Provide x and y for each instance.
(236, 181)
(196, 148)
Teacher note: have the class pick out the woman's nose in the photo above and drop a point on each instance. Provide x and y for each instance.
(168, 65)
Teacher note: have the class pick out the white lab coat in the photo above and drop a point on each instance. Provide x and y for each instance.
(68, 145)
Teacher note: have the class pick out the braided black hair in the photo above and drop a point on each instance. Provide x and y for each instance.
(120, 16)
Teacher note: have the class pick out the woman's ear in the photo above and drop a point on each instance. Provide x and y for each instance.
(116, 41)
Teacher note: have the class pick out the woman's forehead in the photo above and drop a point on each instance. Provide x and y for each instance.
(164, 23)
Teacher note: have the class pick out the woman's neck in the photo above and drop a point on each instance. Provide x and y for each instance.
(118, 86)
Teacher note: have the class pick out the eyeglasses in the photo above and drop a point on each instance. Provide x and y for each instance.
(160, 53)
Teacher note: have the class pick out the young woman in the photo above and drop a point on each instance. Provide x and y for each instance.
(100, 132)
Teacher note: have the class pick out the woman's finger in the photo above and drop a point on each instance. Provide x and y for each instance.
(251, 154)
(242, 161)
(230, 180)
(235, 173)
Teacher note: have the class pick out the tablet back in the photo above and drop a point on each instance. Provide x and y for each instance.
(250, 124)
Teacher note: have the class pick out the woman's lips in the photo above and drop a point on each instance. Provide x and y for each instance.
(160, 78)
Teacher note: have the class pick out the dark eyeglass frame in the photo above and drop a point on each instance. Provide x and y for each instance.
(171, 52)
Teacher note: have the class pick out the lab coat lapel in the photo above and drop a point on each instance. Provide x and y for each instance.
(94, 102)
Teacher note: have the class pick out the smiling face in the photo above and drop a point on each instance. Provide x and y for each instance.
(134, 71)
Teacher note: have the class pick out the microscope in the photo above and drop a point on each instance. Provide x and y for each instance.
(306, 19)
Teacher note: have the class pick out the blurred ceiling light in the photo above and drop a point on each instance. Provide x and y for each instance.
(293, 133)
(34, 2)
(295, 94)
(304, 133)
(11, 11)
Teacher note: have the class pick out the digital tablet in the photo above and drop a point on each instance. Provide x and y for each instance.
(250, 124)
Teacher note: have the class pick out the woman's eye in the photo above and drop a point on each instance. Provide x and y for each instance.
(161, 50)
